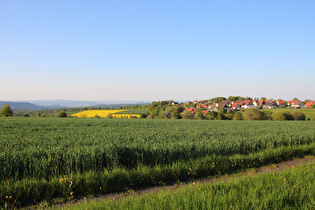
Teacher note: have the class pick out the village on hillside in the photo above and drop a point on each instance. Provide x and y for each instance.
(228, 105)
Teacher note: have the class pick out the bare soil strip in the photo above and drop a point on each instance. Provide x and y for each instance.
(251, 172)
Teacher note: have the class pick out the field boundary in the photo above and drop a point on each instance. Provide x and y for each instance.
(281, 166)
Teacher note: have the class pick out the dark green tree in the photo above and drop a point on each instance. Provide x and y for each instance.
(253, 114)
(235, 98)
(6, 111)
(199, 115)
(176, 115)
(186, 115)
(162, 115)
(268, 115)
(278, 116)
(298, 116)
(213, 114)
(170, 109)
(238, 116)
(180, 109)
(62, 114)
(143, 115)
(217, 100)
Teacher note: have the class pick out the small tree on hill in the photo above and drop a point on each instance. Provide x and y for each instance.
(298, 116)
(238, 116)
(278, 116)
(162, 115)
(186, 115)
(175, 115)
(199, 115)
(180, 109)
(62, 114)
(253, 114)
(143, 115)
(6, 111)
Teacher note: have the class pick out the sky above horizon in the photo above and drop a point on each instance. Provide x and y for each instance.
(156, 50)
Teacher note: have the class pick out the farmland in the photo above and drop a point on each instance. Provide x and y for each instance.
(291, 189)
(45, 158)
(104, 113)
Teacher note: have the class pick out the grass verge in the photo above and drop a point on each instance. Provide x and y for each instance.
(290, 189)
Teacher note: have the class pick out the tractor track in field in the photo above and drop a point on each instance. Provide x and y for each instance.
(156, 189)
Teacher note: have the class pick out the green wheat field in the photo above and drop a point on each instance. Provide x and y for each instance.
(44, 159)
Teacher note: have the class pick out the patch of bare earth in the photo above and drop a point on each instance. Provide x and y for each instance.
(252, 172)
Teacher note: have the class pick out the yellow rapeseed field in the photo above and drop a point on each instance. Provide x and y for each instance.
(104, 113)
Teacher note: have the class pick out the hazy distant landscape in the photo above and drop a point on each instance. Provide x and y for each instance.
(57, 104)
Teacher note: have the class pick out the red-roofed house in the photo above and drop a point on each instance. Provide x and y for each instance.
(309, 104)
(258, 103)
(248, 104)
(237, 105)
(291, 102)
(281, 104)
(190, 109)
(205, 112)
(201, 106)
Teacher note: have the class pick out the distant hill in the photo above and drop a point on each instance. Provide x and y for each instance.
(57, 104)
(63, 103)
(21, 105)
(72, 103)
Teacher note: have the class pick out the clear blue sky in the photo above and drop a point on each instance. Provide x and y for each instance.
(156, 50)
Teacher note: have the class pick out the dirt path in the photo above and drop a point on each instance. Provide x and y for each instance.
(251, 172)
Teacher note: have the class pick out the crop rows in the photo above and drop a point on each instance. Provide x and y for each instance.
(290, 189)
(46, 148)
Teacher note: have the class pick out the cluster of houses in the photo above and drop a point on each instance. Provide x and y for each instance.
(246, 104)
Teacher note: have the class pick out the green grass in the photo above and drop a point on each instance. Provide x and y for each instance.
(291, 189)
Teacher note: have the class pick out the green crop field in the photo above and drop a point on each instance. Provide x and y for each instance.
(46, 158)
(290, 189)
